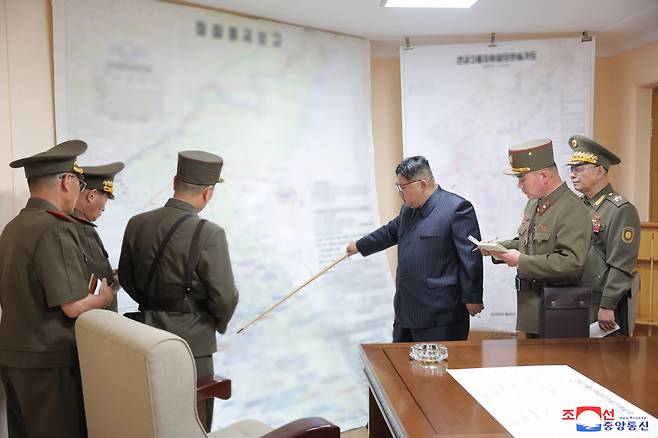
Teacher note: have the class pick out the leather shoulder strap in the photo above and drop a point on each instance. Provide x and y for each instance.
(598, 247)
(158, 256)
(193, 257)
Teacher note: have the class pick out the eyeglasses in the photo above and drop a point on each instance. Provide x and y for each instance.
(580, 168)
(82, 182)
(401, 187)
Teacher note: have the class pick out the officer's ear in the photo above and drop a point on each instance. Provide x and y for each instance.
(545, 175)
(208, 192)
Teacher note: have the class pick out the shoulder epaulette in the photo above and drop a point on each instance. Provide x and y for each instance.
(617, 199)
(83, 221)
(62, 216)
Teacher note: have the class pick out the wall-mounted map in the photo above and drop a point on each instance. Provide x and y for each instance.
(289, 111)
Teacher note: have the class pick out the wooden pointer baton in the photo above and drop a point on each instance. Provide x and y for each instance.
(297, 289)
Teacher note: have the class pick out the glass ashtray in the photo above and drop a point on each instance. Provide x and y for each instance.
(428, 353)
(436, 369)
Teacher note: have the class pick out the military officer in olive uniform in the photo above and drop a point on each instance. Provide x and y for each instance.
(189, 289)
(554, 235)
(90, 206)
(43, 288)
(615, 230)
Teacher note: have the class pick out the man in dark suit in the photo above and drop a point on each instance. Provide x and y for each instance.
(439, 277)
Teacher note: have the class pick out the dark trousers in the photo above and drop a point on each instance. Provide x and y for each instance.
(621, 315)
(205, 367)
(455, 331)
(44, 402)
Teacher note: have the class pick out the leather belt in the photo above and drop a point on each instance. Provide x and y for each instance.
(528, 285)
(177, 305)
(537, 285)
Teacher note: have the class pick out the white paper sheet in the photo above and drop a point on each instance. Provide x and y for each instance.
(597, 332)
(553, 401)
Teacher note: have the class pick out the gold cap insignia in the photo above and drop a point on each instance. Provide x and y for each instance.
(627, 235)
(108, 186)
(574, 143)
(584, 157)
(77, 169)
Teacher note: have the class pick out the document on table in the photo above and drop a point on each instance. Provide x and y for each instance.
(597, 332)
(551, 401)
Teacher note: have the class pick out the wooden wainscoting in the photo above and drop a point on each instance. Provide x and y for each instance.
(647, 266)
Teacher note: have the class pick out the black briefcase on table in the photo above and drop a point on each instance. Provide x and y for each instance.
(565, 311)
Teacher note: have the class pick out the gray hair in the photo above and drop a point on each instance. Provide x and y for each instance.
(43, 181)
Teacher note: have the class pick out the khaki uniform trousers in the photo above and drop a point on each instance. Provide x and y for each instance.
(44, 402)
(205, 367)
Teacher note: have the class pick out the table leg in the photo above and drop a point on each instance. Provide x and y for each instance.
(377, 427)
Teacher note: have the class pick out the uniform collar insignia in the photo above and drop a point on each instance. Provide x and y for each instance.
(545, 203)
(78, 217)
(60, 215)
(543, 206)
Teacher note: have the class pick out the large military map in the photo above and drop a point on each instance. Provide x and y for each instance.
(288, 109)
(466, 104)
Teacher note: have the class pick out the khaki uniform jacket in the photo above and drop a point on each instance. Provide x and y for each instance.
(97, 262)
(616, 231)
(555, 253)
(212, 280)
(42, 266)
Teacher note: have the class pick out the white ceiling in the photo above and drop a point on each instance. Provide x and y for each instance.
(619, 25)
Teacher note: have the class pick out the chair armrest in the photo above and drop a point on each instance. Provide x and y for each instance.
(311, 427)
(213, 386)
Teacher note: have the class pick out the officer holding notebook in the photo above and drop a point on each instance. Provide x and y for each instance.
(43, 288)
(90, 206)
(615, 233)
(177, 266)
(554, 236)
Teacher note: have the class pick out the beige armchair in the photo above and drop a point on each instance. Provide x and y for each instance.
(140, 382)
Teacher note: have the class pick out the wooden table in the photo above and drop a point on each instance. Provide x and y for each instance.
(407, 400)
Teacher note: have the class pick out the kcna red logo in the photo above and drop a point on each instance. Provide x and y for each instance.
(596, 419)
